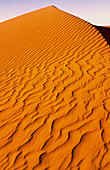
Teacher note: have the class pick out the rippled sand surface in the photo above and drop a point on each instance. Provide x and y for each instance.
(54, 93)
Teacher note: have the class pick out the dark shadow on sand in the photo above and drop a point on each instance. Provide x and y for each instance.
(105, 31)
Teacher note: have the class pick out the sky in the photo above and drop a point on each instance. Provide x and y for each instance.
(96, 12)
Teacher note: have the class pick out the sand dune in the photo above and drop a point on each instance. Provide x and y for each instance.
(54, 93)
(105, 31)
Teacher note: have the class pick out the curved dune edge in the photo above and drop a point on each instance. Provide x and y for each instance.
(54, 93)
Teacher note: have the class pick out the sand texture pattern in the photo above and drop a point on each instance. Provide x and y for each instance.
(54, 93)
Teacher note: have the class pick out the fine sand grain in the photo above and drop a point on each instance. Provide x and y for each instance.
(54, 93)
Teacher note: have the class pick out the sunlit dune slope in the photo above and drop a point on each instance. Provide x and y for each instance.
(54, 93)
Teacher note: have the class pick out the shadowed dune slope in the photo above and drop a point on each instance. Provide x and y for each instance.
(54, 93)
(105, 31)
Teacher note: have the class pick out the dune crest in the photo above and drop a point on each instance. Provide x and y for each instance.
(54, 93)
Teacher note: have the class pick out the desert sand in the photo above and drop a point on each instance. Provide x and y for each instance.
(54, 93)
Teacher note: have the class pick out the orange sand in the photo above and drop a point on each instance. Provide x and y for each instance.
(54, 93)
